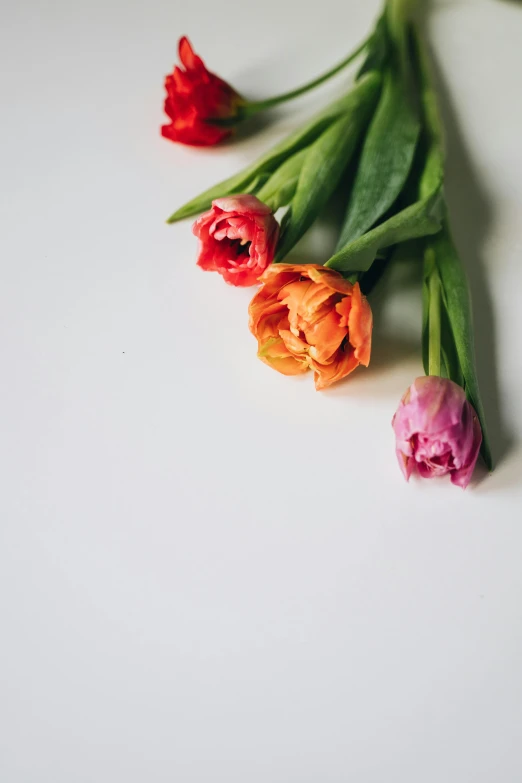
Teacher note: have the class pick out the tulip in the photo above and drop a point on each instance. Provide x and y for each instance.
(237, 236)
(195, 97)
(306, 317)
(203, 108)
(437, 431)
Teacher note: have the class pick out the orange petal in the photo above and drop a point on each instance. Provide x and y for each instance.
(343, 309)
(326, 337)
(330, 278)
(306, 297)
(360, 323)
(276, 276)
(264, 322)
(293, 293)
(275, 353)
(294, 344)
(343, 365)
(258, 304)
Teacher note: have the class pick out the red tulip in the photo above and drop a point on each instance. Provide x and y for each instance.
(237, 238)
(195, 97)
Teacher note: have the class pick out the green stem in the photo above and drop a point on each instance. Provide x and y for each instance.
(399, 13)
(399, 16)
(256, 106)
(434, 316)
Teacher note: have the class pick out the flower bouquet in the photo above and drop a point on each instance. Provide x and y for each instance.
(381, 146)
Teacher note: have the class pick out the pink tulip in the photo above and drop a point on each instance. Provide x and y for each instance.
(237, 236)
(437, 431)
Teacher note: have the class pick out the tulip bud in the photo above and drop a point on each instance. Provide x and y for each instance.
(195, 98)
(437, 431)
(306, 317)
(237, 237)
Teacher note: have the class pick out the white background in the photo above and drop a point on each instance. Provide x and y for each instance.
(210, 572)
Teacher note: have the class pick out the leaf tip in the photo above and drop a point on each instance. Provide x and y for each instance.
(174, 217)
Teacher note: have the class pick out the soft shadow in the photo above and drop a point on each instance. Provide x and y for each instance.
(471, 219)
(387, 347)
(251, 127)
(388, 351)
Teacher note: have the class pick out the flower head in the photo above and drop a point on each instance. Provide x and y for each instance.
(437, 431)
(307, 317)
(237, 238)
(195, 97)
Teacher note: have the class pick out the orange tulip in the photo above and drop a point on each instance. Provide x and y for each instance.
(306, 317)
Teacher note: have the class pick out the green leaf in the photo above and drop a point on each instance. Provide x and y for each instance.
(377, 49)
(323, 167)
(459, 339)
(423, 217)
(398, 16)
(247, 180)
(279, 189)
(386, 159)
(324, 164)
(419, 219)
(457, 342)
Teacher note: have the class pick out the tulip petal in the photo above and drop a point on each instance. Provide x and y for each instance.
(327, 374)
(274, 352)
(330, 278)
(360, 324)
(187, 55)
(406, 464)
(294, 344)
(241, 204)
(462, 477)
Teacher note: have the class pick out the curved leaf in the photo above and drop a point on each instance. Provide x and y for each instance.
(386, 159)
(442, 259)
(279, 189)
(457, 306)
(419, 219)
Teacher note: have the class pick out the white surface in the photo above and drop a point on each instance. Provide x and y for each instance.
(210, 572)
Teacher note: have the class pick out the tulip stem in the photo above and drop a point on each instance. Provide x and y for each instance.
(252, 107)
(399, 14)
(434, 315)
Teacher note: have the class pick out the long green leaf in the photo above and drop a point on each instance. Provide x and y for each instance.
(245, 180)
(457, 304)
(457, 341)
(377, 49)
(398, 17)
(323, 167)
(279, 189)
(422, 218)
(386, 159)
